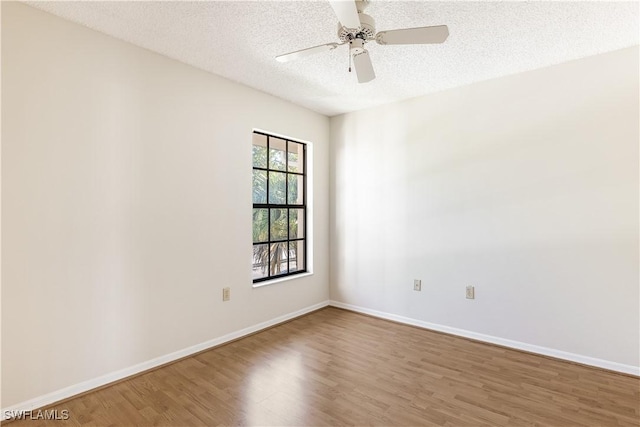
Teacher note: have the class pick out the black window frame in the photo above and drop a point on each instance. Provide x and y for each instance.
(289, 206)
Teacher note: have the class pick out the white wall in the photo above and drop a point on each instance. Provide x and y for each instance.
(525, 187)
(126, 205)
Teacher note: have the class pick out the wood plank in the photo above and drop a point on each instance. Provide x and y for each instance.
(334, 367)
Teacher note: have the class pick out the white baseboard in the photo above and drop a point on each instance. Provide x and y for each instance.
(558, 354)
(85, 386)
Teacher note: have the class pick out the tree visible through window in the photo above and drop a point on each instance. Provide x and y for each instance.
(279, 207)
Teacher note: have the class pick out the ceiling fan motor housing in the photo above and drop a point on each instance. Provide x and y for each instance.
(367, 30)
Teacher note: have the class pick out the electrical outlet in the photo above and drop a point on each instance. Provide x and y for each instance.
(471, 293)
(417, 285)
(226, 294)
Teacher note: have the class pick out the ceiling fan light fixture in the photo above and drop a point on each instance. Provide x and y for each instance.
(356, 46)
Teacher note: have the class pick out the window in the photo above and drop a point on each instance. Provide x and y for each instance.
(279, 207)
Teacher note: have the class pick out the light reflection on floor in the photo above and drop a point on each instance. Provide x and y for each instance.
(274, 393)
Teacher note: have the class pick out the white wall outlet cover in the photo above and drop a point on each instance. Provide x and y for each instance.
(470, 293)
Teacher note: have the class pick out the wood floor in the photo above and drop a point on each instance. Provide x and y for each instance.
(334, 367)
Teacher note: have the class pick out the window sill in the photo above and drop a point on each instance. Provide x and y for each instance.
(282, 279)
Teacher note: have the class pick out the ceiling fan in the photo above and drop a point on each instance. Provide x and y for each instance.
(357, 28)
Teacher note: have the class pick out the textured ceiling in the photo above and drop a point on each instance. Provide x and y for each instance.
(239, 40)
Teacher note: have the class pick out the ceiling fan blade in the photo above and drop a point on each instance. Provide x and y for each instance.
(347, 13)
(420, 35)
(306, 52)
(363, 66)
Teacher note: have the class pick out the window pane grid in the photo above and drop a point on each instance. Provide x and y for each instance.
(280, 241)
(280, 181)
(258, 168)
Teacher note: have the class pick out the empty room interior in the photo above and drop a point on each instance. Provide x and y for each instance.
(329, 212)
